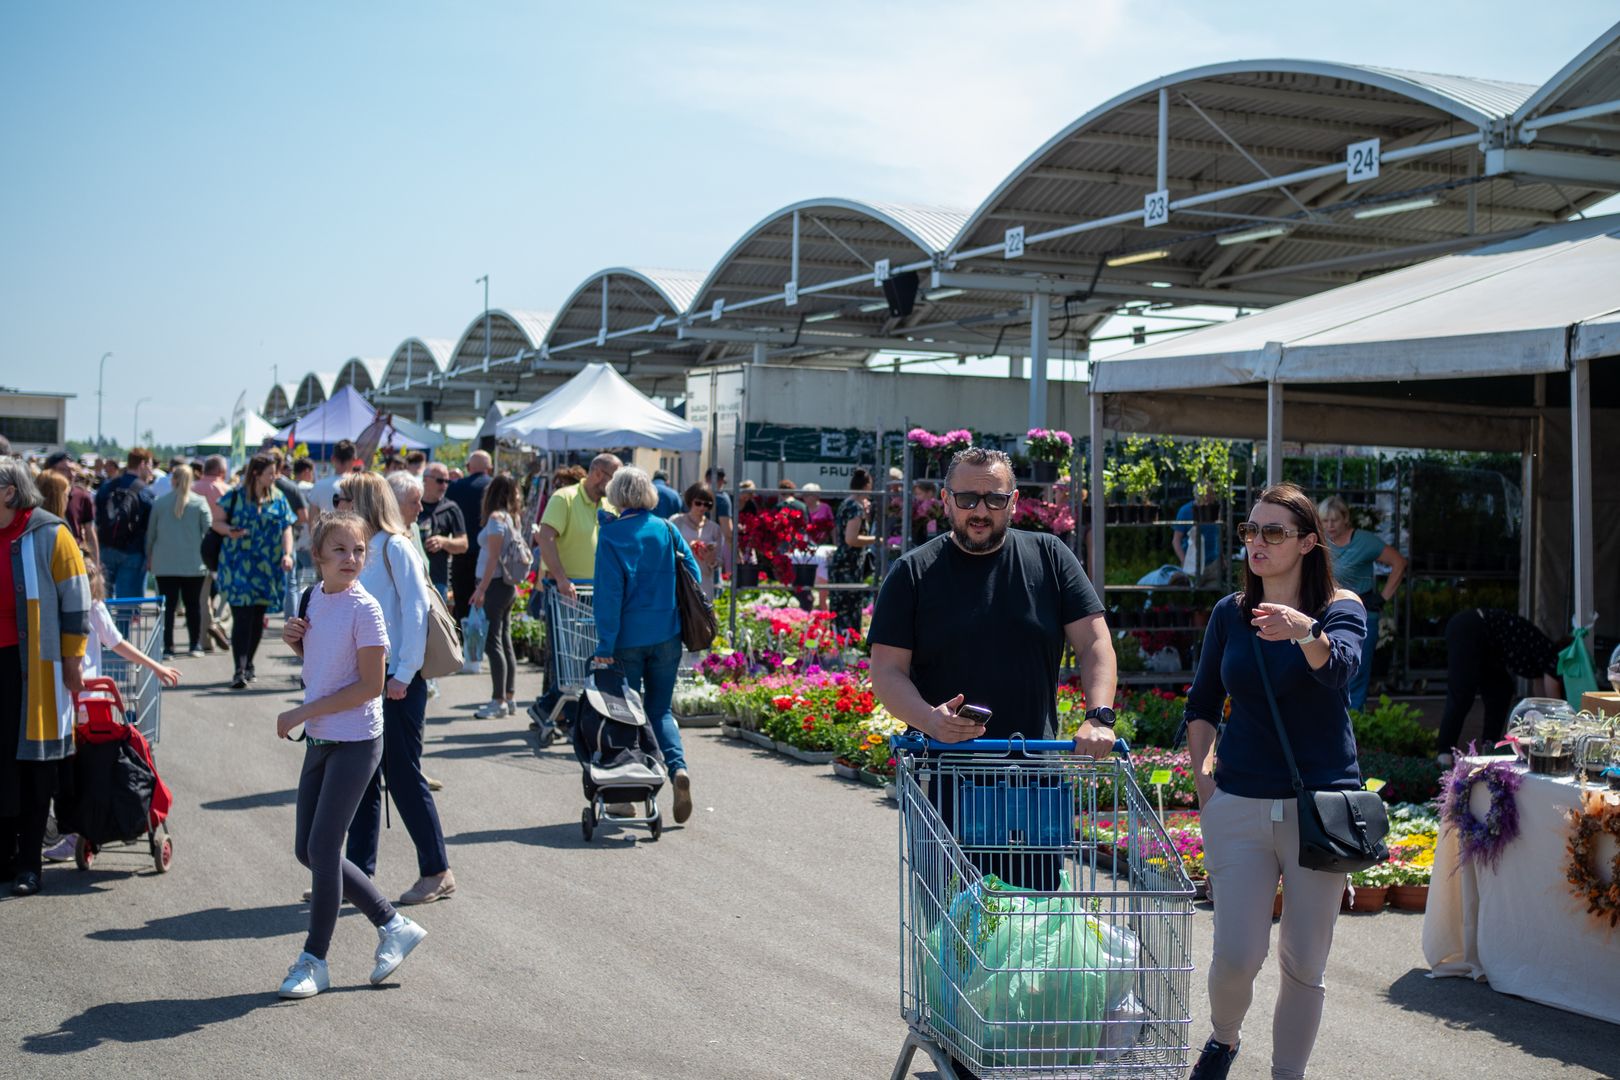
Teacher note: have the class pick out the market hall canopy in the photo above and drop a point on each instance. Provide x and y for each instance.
(626, 317)
(490, 360)
(256, 428)
(410, 374)
(346, 415)
(597, 409)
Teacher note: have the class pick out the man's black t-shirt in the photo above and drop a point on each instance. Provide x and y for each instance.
(987, 626)
(442, 518)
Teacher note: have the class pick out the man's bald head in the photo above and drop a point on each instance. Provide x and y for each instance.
(479, 461)
(603, 466)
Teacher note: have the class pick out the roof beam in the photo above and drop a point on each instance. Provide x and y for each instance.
(1351, 262)
(1277, 95)
(838, 341)
(1214, 147)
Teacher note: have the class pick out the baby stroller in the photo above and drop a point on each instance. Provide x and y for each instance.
(121, 798)
(618, 754)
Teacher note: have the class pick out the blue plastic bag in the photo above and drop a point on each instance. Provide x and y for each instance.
(474, 629)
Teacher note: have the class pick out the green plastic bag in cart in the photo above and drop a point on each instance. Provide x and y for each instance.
(1575, 668)
(1031, 977)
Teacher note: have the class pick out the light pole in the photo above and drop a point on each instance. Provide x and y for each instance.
(485, 281)
(100, 378)
(135, 436)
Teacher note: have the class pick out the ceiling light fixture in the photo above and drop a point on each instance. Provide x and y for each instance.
(1161, 285)
(1396, 208)
(880, 305)
(1137, 257)
(641, 352)
(1251, 235)
(942, 294)
(822, 316)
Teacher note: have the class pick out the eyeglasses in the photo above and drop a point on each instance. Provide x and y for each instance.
(437, 479)
(337, 498)
(701, 502)
(967, 500)
(1271, 534)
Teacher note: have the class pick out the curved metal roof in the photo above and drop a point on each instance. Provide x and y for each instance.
(1237, 123)
(840, 243)
(278, 403)
(362, 373)
(510, 334)
(642, 308)
(313, 389)
(416, 358)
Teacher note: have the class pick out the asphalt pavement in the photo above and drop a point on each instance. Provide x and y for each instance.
(758, 940)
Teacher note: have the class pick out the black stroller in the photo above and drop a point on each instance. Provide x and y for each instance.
(618, 755)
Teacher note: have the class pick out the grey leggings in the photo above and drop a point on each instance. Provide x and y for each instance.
(1248, 845)
(498, 648)
(334, 778)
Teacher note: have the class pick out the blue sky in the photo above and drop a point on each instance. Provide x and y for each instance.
(214, 191)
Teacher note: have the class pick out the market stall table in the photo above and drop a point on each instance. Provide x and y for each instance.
(1519, 926)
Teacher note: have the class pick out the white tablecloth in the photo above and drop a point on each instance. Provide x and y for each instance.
(1520, 926)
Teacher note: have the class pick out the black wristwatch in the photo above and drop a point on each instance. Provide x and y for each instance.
(1102, 715)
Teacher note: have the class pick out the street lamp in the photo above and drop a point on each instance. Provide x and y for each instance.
(99, 379)
(485, 281)
(135, 437)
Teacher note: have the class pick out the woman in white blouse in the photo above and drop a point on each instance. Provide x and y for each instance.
(397, 578)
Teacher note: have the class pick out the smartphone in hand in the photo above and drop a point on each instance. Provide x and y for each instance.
(977, 714)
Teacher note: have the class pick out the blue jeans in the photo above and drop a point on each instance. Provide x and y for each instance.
(125, 572)
(656, 665)
(402, 767)
(1355, 692)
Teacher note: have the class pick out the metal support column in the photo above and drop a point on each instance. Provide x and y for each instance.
(1583, 592)
(1274, 432)
(1163, 172)
(1040, 311)
(736, 533)
(759, 352)
(907, 463)
(1099, 513)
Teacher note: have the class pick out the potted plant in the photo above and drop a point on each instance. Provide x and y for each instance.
(1207, 464)
(1369, 888)
(1048, 449)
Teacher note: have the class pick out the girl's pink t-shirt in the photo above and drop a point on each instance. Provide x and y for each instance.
(341, 624)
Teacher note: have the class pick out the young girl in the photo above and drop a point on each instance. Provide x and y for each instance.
(344, 645)
(104, 635)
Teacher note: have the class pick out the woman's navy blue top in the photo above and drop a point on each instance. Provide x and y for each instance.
(1249, 759)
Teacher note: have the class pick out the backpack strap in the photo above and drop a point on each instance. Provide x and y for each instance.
(303, 601)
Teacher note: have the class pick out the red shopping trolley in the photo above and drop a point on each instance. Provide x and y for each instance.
(121, 799)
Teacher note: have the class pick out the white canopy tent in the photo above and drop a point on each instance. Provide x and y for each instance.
(257, 427)
(1466, 351)
(598, 408)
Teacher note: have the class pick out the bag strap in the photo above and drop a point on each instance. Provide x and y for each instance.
(303, 602)
(1276, 716)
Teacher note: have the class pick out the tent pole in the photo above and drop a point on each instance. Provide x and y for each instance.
(1099, 515)
(1580, 434)
(1274, 432)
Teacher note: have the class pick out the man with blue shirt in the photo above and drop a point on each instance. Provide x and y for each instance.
(1201, 561)
(123, 508)
(669, 500)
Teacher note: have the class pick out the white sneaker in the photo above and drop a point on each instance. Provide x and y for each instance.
(394, 946)
(306, 978)
(490, 711)
(433, 688)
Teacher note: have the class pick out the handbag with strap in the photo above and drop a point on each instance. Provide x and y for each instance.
(515, 556)
(213, 542)
(442, 654)
(1340, 832)
(699, 624)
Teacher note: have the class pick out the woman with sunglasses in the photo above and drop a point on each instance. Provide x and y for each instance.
(701, 533)
(1310, 635)
(853, 540)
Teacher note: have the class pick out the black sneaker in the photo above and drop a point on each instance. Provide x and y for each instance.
(240, 681)
(27, 884)
(1215, 1061)
(251, 675)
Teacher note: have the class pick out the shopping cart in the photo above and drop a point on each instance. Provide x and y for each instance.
(571, 639)
(1030, 944)
(140, 621)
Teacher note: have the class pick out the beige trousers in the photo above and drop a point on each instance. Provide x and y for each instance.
(1248, 845)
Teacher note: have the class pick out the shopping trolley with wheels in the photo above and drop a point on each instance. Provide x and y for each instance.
(120, 797)
(571, 639)
(140, 621)
(1022, 952)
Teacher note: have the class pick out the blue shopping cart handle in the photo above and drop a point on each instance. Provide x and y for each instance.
(916, 743)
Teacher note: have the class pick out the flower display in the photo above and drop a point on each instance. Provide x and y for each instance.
(1049, 444)
(948, 443)
(1037, 515)
(772, 536)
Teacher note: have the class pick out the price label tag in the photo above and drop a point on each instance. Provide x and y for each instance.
(1375, 786)
(880, 272)
(1014, 245)
(792, 291)
(1160, 776)
(1361, 161)
(1156, 208)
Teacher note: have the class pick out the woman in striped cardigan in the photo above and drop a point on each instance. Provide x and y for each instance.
(43, 586)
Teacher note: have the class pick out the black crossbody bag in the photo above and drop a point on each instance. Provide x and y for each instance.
(1340, 832)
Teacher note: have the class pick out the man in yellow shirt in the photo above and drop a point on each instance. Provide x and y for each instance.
(567, 545)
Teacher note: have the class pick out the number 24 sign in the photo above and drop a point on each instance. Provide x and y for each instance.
(1361, 161)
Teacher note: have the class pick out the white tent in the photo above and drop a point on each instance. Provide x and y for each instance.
(258, 430)
(595, 409)
(1469, 351)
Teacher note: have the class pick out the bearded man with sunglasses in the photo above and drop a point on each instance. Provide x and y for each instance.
(980, 616)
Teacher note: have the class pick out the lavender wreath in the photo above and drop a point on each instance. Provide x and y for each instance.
(1482, 841)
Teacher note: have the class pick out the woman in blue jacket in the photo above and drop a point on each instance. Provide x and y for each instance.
(1310, 635)
(638, 626)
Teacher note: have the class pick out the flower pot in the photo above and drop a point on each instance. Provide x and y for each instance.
(872, 779)
(1043, 472)
(809, 757)
(1113, 513)
(1409, 897)
(1368, 899)
(764, 742)
(1559, 764)
(698, 720)
(730, 731)
(845, 771)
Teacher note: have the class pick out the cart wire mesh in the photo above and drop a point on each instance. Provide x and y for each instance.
(140, 621)
(572, 636)
(1031, 945)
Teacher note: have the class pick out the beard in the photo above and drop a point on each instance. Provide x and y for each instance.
(959, 531)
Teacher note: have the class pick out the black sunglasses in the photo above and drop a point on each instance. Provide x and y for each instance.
(1271, 534)
(967, 500)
